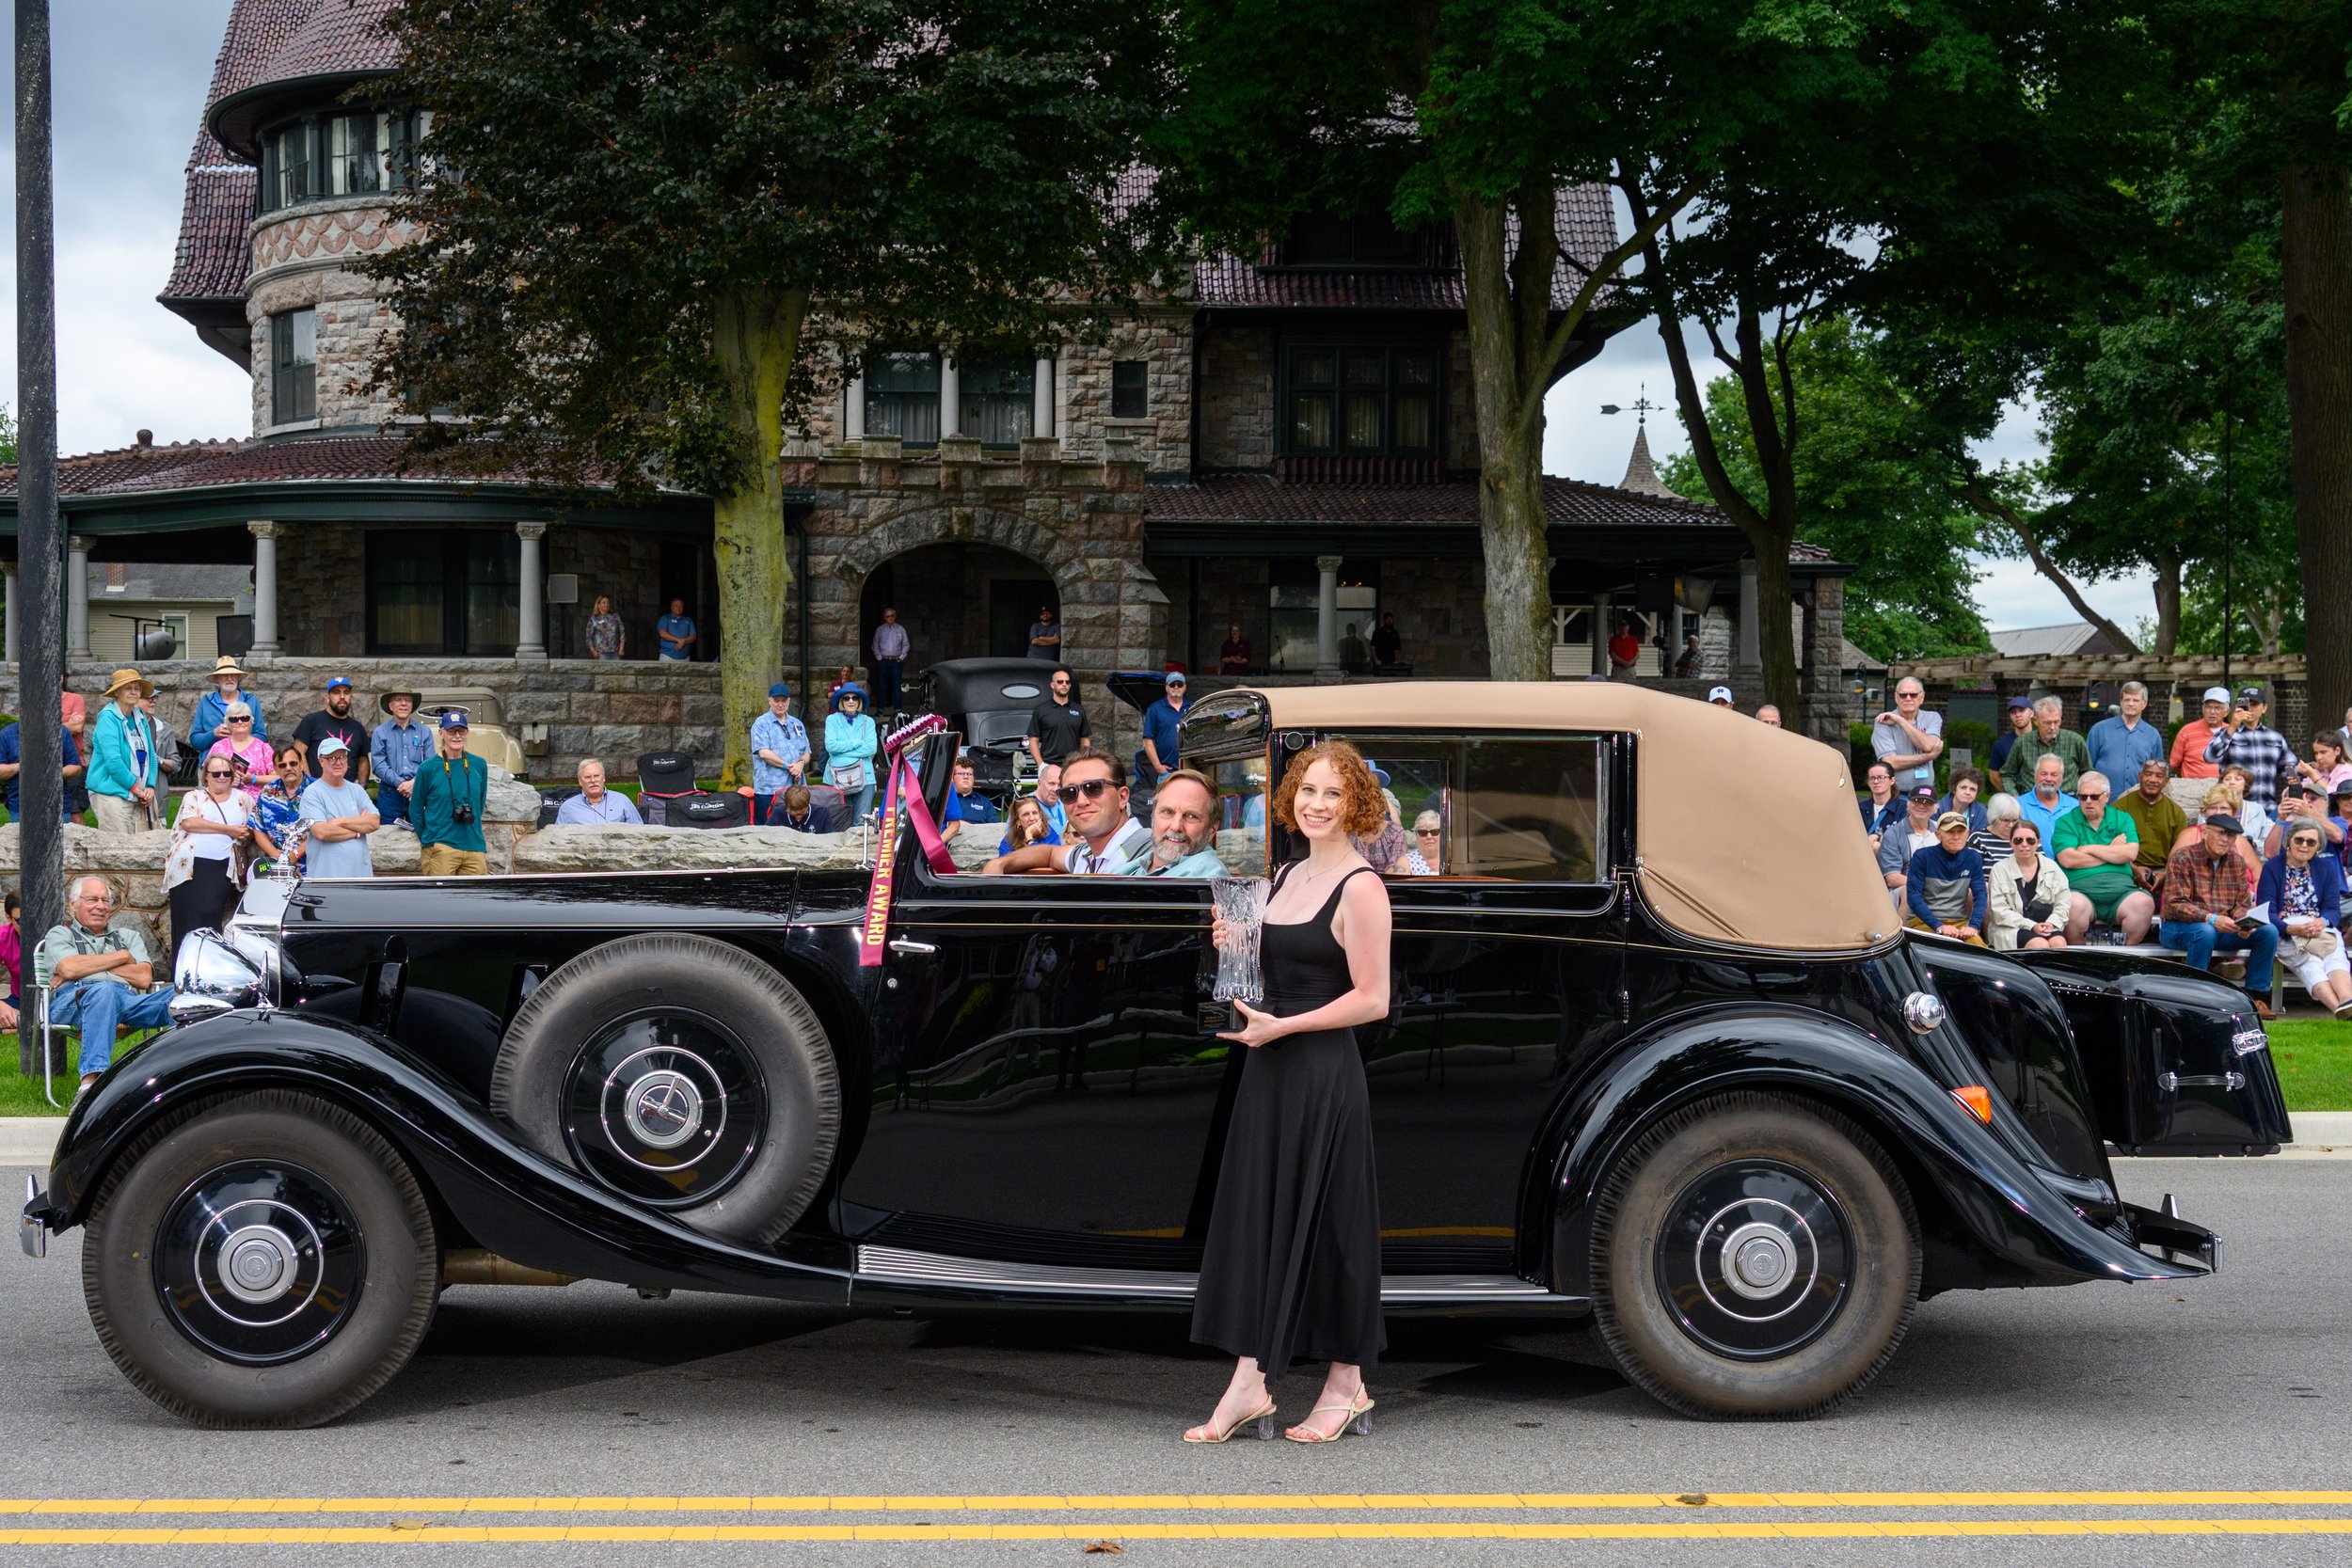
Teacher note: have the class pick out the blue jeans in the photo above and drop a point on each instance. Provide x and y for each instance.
(391, 804)
(101, 1009)
(2197, 941)
(886, 684)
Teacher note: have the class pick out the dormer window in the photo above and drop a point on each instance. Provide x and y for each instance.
(1361, 399)
(1371, 240)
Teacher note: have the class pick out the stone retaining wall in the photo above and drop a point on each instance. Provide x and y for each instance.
(561, 709)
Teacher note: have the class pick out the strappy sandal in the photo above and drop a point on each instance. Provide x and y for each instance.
(1263, 1416)
(1360, 1421)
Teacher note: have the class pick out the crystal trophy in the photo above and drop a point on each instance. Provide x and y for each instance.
(1241, 904)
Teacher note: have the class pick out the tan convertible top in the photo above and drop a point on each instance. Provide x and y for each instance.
(1748, 834)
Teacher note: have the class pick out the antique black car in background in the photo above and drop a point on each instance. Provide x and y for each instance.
(987, 701)
(1644, 1069)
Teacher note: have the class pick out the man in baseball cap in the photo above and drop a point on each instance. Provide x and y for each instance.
(1945, 889)
(2247, 742)
(2192, 775)
(1719, 696)
(334, 719)
(1904, 837)
(2020, 720)
(447, 802)
(2206, 898)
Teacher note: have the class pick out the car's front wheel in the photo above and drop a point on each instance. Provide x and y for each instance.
(1754, 1256)
(268, 1261)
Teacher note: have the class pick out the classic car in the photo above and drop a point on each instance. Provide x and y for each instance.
(987, 701)
(1673, 1075)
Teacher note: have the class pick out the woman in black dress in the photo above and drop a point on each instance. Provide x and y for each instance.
(1291, 1267)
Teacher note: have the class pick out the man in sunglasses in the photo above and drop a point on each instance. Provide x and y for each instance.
(1101, 837)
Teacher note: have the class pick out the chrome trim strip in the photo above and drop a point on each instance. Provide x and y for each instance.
(901, 1266)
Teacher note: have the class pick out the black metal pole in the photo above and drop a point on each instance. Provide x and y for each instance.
(2229, 610)
(40, 537)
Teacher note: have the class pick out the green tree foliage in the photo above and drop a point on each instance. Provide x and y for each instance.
(629, 211)
(1868, 492)
(1473, 113)
(1890, 155)
(8, 434)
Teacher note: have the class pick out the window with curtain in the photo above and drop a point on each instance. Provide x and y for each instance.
(999, 396)
(1361, 399)
(1131, 389)
(903, 398)
(293, 375)
(340, 154)
(452, 592)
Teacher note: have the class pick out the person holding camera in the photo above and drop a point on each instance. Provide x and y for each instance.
(2206, 900)
(446, 804)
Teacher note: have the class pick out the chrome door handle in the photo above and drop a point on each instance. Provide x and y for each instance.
(908, 945)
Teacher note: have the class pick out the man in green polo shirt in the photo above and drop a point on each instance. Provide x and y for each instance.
(2158, 817)
(2096, 847)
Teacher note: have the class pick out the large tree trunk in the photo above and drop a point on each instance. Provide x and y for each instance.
(2315, 253)
(755, 334)
(1510, 448)
(2167, 563)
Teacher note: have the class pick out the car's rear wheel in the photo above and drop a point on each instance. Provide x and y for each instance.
(267, 1262)
(1754, 1256)
(681, 1074)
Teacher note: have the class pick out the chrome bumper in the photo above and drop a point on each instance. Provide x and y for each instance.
(32, 1229)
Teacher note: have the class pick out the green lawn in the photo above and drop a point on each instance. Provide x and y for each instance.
(2314, 1057)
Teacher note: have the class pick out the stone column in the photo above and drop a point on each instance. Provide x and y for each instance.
(14, 639)
(1041, 398)
(853, 410)
(1601, 630)
(950, 395)
(264, 586)
(1751, 643)
(77, 597)
(530, 625)
(1327, 617)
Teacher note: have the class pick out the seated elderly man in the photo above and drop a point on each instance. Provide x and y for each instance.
(1945, 889)
(594, 804)
(1101, 837)
(1184, 818)
(104, 981)
(2096, 845)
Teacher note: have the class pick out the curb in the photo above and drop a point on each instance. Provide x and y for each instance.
(29, 1140)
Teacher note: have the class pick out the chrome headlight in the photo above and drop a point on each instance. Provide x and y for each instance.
(213, 975)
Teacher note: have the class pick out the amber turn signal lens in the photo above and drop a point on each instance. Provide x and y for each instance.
(1978, 1099)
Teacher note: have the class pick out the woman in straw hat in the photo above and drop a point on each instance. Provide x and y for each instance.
(122, 766)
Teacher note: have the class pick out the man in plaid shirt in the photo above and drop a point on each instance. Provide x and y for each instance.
(2263, 753)
(2205, 900)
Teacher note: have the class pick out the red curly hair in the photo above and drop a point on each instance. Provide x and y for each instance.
(1362, 811)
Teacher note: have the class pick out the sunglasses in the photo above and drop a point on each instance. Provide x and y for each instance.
(2028, 840)
(1092, 789)
(1428, 832)
(218, 773)
(241, 720)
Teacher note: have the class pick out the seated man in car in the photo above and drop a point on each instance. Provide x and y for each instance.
(965, 803)
(1183, 819)
(1102, 836)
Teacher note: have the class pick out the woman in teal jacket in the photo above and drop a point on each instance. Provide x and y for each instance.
(852, 749)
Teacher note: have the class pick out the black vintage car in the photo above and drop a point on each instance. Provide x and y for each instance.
(988, 702)
(1674, 1074)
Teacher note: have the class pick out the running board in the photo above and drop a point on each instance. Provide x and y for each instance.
(900, 1274)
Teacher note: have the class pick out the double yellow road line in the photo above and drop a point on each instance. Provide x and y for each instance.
(1335, 1516)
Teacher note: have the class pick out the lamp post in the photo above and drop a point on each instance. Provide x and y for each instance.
(39, 539)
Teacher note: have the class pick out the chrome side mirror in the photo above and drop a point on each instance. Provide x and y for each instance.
(213, 978)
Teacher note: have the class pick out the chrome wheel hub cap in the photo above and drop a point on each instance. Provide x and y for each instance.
(258, 1264)
(664, 1109)
(1755, 1260)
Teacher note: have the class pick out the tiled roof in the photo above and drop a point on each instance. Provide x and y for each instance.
(339, 35)
(124, 467)
(212, 260)
(138, 471)
(258, 29)
(1253, 497)
(1584, 220)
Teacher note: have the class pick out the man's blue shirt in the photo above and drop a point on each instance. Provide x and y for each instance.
(676, 626)
(789, 739)
(10, 738)
(1159, 728)
(2120, 753)
(974, 807)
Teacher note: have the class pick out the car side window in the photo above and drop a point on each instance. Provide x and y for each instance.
(1506, 808)
(1241, 815)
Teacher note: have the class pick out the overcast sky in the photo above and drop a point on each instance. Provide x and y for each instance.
(130, 83)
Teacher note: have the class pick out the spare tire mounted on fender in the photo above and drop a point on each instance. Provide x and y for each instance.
(682, 1073)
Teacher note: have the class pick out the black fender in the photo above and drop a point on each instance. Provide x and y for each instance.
(507, 1197)
(2027, 1229)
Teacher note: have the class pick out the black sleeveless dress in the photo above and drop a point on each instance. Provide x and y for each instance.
(1291, 1270)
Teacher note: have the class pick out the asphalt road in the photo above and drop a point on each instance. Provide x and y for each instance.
(550, 1409)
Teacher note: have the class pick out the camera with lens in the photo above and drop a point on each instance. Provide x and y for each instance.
(462, 814)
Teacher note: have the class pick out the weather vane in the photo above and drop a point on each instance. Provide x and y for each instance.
(1641, 407)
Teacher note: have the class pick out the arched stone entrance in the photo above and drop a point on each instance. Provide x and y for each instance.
(960, 600)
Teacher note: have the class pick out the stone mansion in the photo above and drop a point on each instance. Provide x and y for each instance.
(1287, 445)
